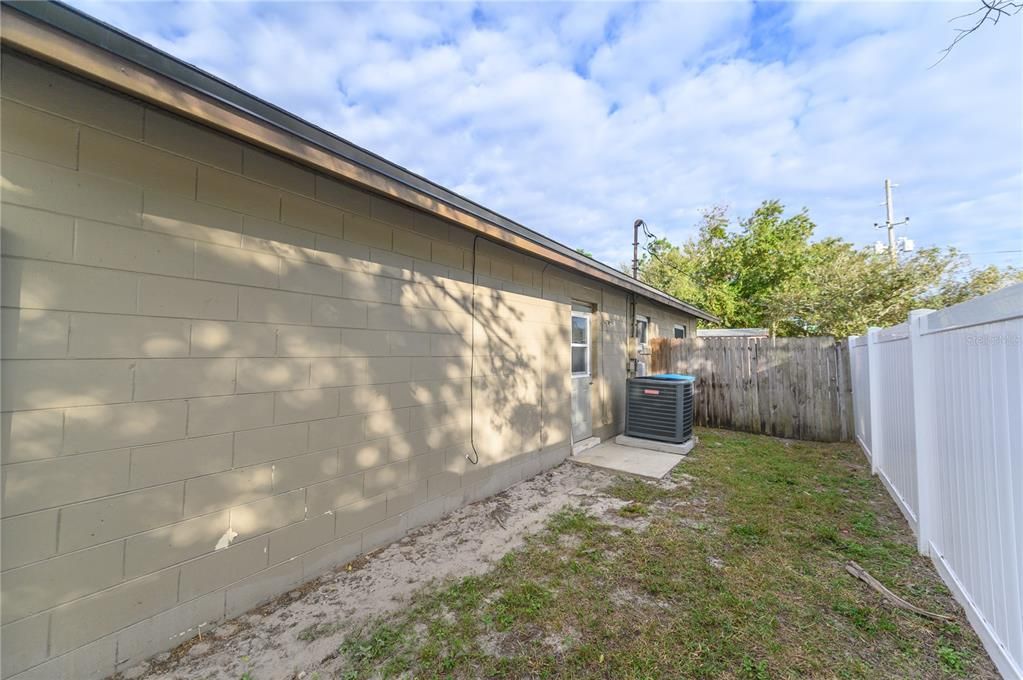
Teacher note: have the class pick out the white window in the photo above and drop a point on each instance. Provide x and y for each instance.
(642, 328)
(680, 332)
(580, 343)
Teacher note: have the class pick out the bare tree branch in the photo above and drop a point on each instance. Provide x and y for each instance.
(990, 11)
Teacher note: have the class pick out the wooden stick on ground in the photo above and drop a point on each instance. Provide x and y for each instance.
(861, 573)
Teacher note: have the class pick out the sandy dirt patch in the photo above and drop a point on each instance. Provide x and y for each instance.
(266, 643)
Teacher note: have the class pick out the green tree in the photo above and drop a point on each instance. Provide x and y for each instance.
(847, 289)
(735, 274)
(970, 284)
(767, 272)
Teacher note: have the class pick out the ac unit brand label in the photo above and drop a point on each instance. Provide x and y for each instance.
(651, 391)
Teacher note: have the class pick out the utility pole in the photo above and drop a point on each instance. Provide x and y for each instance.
(890, 210)
(890, 222)
(635, 247)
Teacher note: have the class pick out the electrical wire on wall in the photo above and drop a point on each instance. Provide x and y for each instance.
(475, 458)
(543, 296)
(603, 376)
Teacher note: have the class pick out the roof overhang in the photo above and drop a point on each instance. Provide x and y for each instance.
(73, 41)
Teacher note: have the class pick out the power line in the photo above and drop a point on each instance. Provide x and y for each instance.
(657, 257)
(649, 250)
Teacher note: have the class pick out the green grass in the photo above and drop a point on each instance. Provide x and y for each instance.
(631, 489)
(738, 573)
(952, 660)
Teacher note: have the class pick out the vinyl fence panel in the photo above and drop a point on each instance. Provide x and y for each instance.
(945, 396)
(897, 467)
(858, 372)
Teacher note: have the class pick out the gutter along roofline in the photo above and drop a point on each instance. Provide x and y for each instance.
(73, 41)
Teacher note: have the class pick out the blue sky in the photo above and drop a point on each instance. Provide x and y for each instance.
(575, 119)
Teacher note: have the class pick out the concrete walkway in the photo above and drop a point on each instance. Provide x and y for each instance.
(628, 460)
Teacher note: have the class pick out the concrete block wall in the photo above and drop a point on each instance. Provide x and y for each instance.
(663, 320)
(224, 374)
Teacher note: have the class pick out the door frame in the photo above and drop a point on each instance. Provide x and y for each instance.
(588, 345)
(582, 404)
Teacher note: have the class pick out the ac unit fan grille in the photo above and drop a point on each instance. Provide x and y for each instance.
(659, 409)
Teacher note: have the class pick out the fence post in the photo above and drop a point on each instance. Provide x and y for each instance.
(874, 380)
(852, 387)
(924, 426)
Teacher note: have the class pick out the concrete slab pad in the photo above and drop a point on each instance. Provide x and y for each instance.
(629, 460)
(652, 445)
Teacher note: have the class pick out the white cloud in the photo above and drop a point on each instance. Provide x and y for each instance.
(651, 46)
(576, 119)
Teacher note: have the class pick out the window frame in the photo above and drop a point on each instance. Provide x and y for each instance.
(586, 345)
(643, 342)
(680, 327)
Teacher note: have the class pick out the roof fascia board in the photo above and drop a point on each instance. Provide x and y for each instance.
(64, 37)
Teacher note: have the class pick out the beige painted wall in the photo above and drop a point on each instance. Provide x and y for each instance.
(663, 319)
(662, 324)
(224, 374)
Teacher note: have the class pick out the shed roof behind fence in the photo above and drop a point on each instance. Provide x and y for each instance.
(731, 333)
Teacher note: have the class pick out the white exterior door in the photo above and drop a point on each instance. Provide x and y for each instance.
(582, 375)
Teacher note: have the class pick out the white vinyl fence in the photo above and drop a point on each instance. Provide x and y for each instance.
(858, 369)
(938, 407)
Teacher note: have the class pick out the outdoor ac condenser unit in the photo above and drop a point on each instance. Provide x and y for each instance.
(660, 407)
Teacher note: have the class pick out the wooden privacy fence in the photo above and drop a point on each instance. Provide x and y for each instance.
(797, 388)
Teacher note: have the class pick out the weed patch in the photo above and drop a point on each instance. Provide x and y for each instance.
(638, 491)
(952, 660)
(750, 534)
(524, 602)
